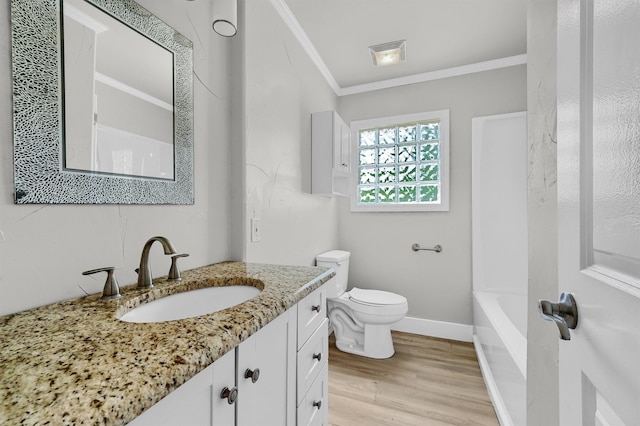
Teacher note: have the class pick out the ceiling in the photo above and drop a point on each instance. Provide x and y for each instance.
(440, 35)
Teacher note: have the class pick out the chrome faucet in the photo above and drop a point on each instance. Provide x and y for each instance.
(145, 280)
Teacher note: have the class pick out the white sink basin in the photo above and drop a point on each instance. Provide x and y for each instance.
(191, 304)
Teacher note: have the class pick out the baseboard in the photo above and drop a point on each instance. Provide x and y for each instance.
(441, 329)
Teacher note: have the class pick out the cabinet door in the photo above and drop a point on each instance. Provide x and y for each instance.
(341, 147)
(190, 404)
(341, 138)
(330, 152)
(223, 408)
(268, 399)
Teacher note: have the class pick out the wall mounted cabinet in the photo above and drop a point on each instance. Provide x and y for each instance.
(330, 154)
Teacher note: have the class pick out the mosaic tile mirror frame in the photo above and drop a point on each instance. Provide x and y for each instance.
(38, 102)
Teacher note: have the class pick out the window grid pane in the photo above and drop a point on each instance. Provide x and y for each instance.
(400, 164)
(368, 137)
(367, 194)
(430, 151)
(368, 175)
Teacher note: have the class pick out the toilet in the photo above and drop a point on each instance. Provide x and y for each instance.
(360, 318)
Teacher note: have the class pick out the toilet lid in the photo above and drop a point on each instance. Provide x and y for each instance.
(375, 297)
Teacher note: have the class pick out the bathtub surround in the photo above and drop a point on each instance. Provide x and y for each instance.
(60, 361)
(500, 256)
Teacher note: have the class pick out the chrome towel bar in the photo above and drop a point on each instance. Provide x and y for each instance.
(416, 247)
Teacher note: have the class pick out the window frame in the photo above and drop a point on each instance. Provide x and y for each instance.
(443, 203)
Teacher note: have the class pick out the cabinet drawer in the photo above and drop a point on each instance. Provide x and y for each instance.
(313, 410)
(312, 358)
(312, 310)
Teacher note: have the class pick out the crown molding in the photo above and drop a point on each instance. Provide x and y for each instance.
(436, 75)
(288, 17)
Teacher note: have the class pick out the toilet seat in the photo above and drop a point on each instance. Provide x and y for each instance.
(379, 310)
(375, 297)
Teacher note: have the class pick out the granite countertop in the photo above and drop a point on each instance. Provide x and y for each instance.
(75, 362)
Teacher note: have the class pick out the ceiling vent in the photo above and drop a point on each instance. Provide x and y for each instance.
(390, 53)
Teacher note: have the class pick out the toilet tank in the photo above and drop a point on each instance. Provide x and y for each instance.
(338, 260)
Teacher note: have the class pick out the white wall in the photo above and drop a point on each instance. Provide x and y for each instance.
(44, 248)
(282, 87)
(438, 286)
(542, 351)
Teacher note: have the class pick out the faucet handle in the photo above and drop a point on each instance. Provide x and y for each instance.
(111, 288)
(174, 271)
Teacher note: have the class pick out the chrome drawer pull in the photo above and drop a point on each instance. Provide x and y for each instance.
(317, 404)
(315, 308)
(317, 356)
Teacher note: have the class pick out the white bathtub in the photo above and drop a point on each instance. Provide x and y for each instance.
(500, 323)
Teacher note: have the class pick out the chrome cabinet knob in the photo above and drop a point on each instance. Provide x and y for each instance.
(315, 308)
(317, 404)
(229, 394)
(317, 356)
(254, 375)
(564, 314)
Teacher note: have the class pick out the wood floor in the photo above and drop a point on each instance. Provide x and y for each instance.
(427, 382)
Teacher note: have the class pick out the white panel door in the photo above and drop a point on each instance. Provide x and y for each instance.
(599, 209)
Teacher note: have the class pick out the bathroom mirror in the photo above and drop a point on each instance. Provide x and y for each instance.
(103, 104)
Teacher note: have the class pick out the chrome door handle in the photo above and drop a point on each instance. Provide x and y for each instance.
(564, 313)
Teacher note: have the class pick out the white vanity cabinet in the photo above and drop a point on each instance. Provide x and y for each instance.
(277, 376)
(330, 154)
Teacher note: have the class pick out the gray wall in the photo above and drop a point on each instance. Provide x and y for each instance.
(44, 248)
(438, 286)
(542, 356)
(282, 87)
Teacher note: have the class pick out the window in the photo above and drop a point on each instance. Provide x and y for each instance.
(401, 163)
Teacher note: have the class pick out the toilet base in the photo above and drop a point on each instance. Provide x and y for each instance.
(378, 343)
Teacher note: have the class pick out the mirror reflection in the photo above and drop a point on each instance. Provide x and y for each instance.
(118, 97)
